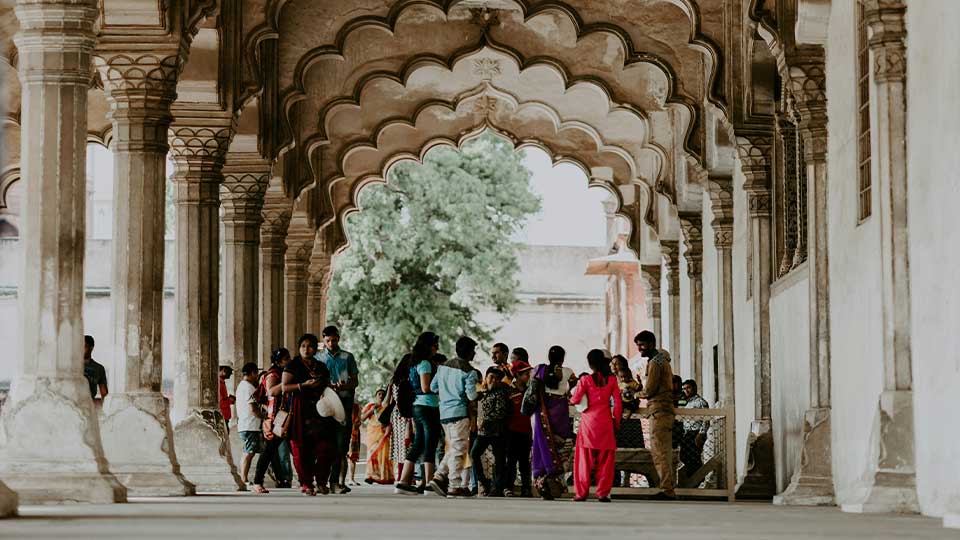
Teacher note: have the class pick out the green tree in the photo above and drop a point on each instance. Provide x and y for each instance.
(430, 249)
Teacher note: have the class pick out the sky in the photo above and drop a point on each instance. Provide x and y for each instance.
(571, 214)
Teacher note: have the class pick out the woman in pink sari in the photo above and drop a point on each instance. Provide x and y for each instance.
(596, 449)
(379, 464)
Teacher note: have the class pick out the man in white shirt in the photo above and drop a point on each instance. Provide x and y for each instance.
(249, 416)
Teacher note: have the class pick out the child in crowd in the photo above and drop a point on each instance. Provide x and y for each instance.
(519, 437)
(492, 409)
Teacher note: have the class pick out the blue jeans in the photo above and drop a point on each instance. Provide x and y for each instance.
(283, 452)
(426, 434)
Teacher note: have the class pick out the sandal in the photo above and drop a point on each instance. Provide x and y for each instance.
(307, 490)
(257, 488)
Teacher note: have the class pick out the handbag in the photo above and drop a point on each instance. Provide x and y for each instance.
(281, 422)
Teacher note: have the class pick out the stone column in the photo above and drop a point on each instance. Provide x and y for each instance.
(721, 204)
(651, 283)
(812, 483)
(671, 259)
(892, 488)
(199, 141)
(787, 139)
(759, 481)
(8, 502)
(50, 448)
(135, 422)
(273, 236)
(245, 178)
(315, 299)
(692, 224)
(296, 265)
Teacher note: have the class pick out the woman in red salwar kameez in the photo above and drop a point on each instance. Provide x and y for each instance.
(596, 449)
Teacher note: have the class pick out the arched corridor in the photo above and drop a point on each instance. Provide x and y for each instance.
(787, 241)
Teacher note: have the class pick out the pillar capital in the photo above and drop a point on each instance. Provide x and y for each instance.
(754, 151)
(807, 86)
(273, 229)
(886, 19)
(671, 257)
(198, 144)
(245, 180)
(721, 203)
(651, 274)
(692, 225)
(759, 200)
(55, 41)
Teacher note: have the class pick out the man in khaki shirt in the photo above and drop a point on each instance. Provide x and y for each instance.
(659, 395)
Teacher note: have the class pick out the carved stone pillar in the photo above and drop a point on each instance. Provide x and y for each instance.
(50, 448)
(651, 282)
(788, 173)
(892, 488)
(198, 142)
(671, 259)
(315, 300)
(296, 265)
(245, 178)
(135, 422)
(273, 244)
(759, 481)
(812, 483)
(692, 224)
(721, 204)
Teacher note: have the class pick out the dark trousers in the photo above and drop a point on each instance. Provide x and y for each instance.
(343, 442)
(270, 457)
(518, 456)
(426, 434)
(480, 446)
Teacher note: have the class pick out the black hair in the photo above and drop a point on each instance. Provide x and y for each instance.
(555, 355)
(88, 340)
(678, 380)
(494, 370)
(620, 362)
(426, 341)
(279, 354)
(600, 365)
(465, 346)
(503, 347)
(250, 367)
(330, 331)
(646, 337)
(692, 383)
(522, 354)
(402, 371)
(308, 337)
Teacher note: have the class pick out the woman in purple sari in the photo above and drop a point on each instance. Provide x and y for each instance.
(552, 425)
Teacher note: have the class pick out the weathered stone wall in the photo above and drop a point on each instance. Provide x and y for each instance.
(854, 259)
(790, 368)
(933, 128)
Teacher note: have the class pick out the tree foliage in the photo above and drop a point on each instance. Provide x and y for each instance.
(429, 250)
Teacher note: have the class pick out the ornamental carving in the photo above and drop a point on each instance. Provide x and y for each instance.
(692, 243)
(486, 68)
(890, 63)
(760, 202)
(722, 235)
(200, 142)
(721, 198)
(754, 153)
(128, 75)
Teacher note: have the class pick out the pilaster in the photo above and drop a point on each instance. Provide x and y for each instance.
(892, 487)
(135, 423)
(812, 483)
(273, 245)
(671, 259)
(759, 480)
(198, 142)
(50, 446)
(692, 225)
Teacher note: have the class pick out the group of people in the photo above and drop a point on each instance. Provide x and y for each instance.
(431, 427)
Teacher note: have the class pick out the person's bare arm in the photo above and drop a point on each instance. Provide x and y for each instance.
(103, 390)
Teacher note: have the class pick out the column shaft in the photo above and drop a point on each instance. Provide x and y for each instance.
(671, 254)
(273, 233)
(136, 429)
(51, 448)
(295, 305)
(199, 140)
(721, 200)
(692, 224)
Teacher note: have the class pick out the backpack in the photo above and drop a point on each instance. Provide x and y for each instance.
(415, 382)
(261, 395)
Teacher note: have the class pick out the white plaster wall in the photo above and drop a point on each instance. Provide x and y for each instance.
(934, 195)
(790, 369)
(710, 325)
(686, 361)
(854, 259)
(742, 321)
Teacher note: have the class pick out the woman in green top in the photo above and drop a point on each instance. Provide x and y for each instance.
(426, 413)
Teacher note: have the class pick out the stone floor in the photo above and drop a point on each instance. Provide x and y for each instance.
(378, 514)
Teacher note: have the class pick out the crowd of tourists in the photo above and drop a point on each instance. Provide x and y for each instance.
(438, 422)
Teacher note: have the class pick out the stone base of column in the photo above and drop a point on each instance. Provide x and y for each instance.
(50, 449)
(812, 483)
(203, 451)
(8, 502)
(893, 488)
(760, 481)
(138, 442)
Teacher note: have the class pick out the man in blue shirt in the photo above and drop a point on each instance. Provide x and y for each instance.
(343, 379)
(456, 383)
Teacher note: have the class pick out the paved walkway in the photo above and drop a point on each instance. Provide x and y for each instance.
(376, 513)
